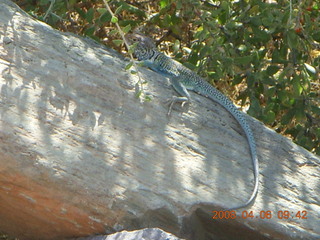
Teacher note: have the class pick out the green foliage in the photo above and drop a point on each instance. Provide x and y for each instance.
(260, 54)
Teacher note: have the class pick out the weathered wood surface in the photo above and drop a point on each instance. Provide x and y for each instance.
(80, 154)
(144, 234)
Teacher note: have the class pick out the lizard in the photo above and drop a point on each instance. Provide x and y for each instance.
(184, 79)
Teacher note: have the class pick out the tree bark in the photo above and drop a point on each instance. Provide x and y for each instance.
(81, 155)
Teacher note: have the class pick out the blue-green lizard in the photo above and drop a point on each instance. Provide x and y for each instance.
(184, 79)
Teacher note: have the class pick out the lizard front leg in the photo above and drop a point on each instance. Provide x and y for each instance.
(182, 91)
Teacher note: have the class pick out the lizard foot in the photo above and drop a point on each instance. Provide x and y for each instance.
(175, 99)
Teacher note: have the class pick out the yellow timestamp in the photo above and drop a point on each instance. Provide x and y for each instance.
(282, 214)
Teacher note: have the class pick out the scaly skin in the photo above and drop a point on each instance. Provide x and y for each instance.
(183, 79)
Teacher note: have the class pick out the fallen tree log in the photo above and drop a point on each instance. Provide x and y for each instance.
(81, 155)
(144, 234)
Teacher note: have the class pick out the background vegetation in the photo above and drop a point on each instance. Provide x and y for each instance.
(263, 54)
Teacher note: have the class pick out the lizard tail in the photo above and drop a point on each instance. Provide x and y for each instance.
(209, 91)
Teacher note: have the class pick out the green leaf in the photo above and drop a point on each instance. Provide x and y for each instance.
(310, 68)
(124, 23)
(179, 5)
(256, 21)
(148, 98)
(132, 47)
(105, 17)
(118, 10)
(243, 60)
(315, 110)
(269, 117)
(285, 99)
(138, 93)
(102, 10)
(89, 15)
(268, 80)
(287, 118)
(273, 69)
(271, 92)
(268, 20)
(190, 66)
(242, 48)
(254, 10)
(81, 12)
(292, 38)
(114, 19)
(300, 114)
(130, 8)
(236, 80)
(271, 107)
(297, 88)
(277, 57)
(117, 42)
(255, 109)
(113, 32)
(224, 5)
(260, 35)
(316, 36)
(44, 2)
(222, 18)
(204, 51)
(167, 20)
(90, 31)
(164, 3)
(128, 66)
(72, 3)
(126, 29)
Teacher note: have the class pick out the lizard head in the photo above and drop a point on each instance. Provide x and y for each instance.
(144, 46)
